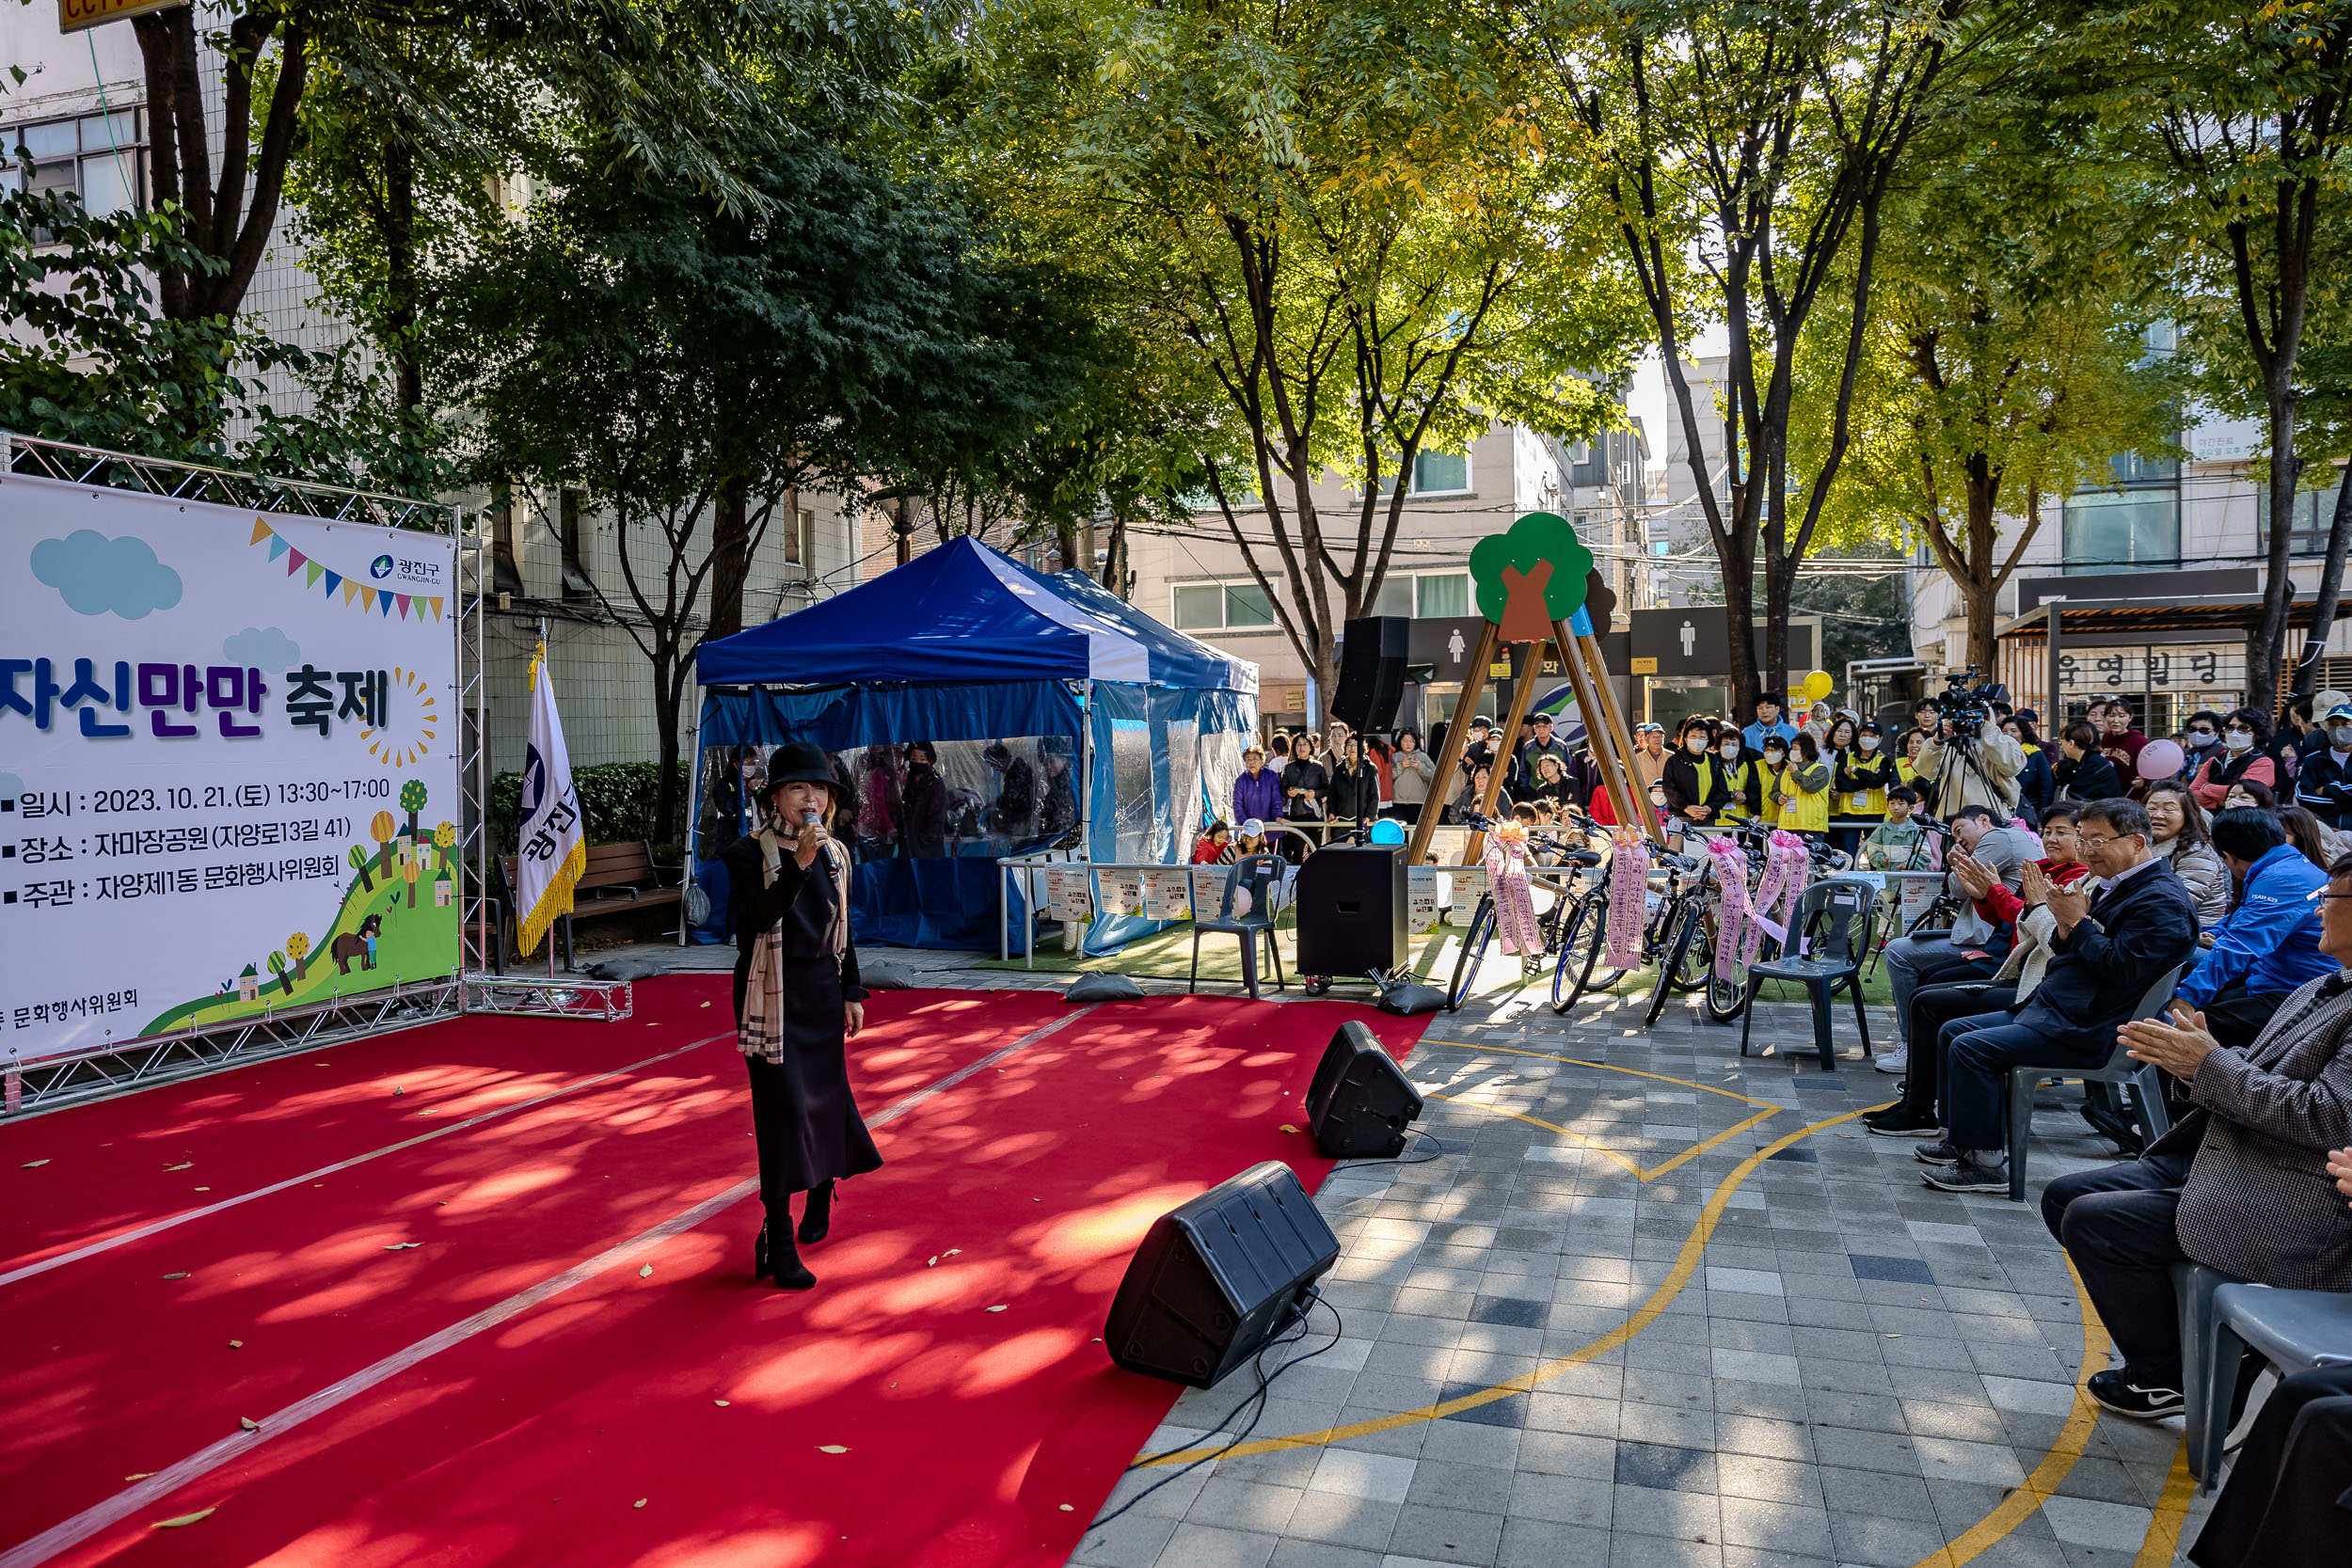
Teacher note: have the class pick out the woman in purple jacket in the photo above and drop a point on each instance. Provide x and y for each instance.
(1258, 792)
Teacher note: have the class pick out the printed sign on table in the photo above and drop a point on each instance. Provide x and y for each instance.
(1167, 892)
(1468, 885)
(1068, 898)
(228, 762)
(1208, 891)
(1422, 908)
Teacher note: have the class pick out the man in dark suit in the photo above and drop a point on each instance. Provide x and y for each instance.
(2109, 950)
(2240, 1184)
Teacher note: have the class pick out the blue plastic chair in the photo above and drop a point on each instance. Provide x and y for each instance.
(1258, 873)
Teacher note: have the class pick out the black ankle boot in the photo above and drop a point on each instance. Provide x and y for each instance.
(784, 1263)
(759, 1255)
(817, 1218)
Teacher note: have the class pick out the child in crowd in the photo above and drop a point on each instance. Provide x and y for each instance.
(1216, 846)
(1252, 840)
(1899, 844)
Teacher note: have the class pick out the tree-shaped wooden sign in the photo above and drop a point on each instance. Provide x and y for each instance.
(1530, 575)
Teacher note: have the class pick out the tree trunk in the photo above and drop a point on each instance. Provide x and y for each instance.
(2330, 590)
(2266, 644)
(665, 715)
(1979, 590)
(1066, 543)
(400, 267)
(1115, 572)
(731, 558)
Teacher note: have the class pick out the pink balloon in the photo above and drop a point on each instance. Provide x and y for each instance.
(2160, 759)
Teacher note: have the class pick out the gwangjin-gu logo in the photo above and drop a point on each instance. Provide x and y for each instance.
(380, 568)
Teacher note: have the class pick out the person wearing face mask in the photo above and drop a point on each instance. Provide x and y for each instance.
(1742, 770)
(2199, 739)
(1693, 782)
(1864, 774)
(2037, 787)
(1769, 769)
(2324, 786)
(2244, 754)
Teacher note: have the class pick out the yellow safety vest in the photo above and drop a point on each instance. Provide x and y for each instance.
(1871, 801)
(1803, 813)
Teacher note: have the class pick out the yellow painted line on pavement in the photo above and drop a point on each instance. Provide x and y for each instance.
(1685, 1264)
(1605, 1066)
(2164, 1529)
(2072, 1438)
(1603, 1149)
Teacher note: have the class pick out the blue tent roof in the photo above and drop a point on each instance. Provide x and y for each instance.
(964, 613)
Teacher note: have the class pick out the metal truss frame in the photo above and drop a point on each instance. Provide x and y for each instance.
(162, 1058)
(139, 1064)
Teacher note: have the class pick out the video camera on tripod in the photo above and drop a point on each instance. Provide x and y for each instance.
(1967, 702)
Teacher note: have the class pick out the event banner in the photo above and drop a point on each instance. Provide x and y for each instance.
(228, 763)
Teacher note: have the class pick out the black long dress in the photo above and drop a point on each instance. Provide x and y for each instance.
(803, 1112)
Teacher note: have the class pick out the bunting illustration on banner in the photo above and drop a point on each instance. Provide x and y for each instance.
(382, 601)
(554, 848)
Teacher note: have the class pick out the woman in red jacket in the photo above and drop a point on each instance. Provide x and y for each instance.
(2243, 756)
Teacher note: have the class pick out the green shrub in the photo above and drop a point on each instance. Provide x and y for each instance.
(616, 797)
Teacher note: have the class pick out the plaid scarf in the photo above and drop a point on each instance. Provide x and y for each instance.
(762, 1030)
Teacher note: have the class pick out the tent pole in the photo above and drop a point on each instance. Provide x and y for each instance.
(1621, 739)
(694, 808)
(1522, 695)
(1456, 739)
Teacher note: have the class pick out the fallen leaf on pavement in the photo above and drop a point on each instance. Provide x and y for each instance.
(183, 1519)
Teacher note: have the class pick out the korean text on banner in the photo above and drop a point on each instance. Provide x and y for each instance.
(228, 763)
(551, 851)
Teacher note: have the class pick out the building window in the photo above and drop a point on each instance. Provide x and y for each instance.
(1441, 593)
(1395, 596)
(99, 158)
(800, 536)
(506, 569)
(1436, 473)
(571, 513)
(2133, 527)
(2314, 513)
(1221, 606)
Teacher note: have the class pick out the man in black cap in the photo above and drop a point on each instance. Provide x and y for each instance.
(797, 1001)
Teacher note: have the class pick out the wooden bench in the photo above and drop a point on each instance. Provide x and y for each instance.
(620, 878)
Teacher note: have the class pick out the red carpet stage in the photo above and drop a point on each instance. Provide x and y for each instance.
(481, 1290)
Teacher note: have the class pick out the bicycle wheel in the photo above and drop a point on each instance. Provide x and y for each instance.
(1728, 998)
(1568, 970)
(1686, 926)
(1482, 930)
(1591, 943)
(1697, 960)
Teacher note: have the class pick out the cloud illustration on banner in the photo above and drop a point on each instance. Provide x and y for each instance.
(262, 648)
(98, 576)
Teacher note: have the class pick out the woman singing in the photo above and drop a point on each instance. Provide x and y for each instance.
(797, 1001)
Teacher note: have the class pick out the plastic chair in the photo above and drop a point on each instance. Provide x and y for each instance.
(2147, 1089)
(1258, 873)
(2221, 1319)
(1834, 918)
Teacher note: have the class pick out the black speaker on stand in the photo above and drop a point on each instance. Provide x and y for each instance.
(1372, 653)
(1218, 1277)
(1360, 1102)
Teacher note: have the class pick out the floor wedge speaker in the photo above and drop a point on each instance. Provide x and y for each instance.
(1218, 1277)
(1360, 1102)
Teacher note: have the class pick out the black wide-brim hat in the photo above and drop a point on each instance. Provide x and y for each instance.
(799, 762)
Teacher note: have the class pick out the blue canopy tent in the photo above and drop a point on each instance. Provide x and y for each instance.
(1047, 706)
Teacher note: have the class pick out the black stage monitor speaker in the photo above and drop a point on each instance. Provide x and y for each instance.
(1360, 1102)
(1352, 910)
(1220, 1276)
(1372, 670)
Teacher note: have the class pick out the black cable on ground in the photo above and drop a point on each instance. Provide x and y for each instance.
(1437, 1151)
(1256, 1399)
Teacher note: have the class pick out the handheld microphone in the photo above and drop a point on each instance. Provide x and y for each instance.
(808, 818)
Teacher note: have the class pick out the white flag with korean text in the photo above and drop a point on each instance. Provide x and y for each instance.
(551, 849)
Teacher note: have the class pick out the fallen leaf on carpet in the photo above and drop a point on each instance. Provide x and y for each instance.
(34, 1165)
(932, 1263)
(640, 1502)
(996, 1308)
(403, 1246)
(138, 1475)
(1288, 1128)
(1067, 1509)
(720, 1403)
(248, 1423)
(183, 1519)
(180, 1275)
(951, 1252)
(646, 1273)
(397, 1092)
(831, 1447)
(204, 1189)
(236, 1344)
(186, 1165)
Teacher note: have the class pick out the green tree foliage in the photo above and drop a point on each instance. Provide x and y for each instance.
(91, 358)
(2007, 361)
(1337, 229)
(1748, 150)
(637, 341)
(2245, 113)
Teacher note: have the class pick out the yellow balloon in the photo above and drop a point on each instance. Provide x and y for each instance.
(1818, 686)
